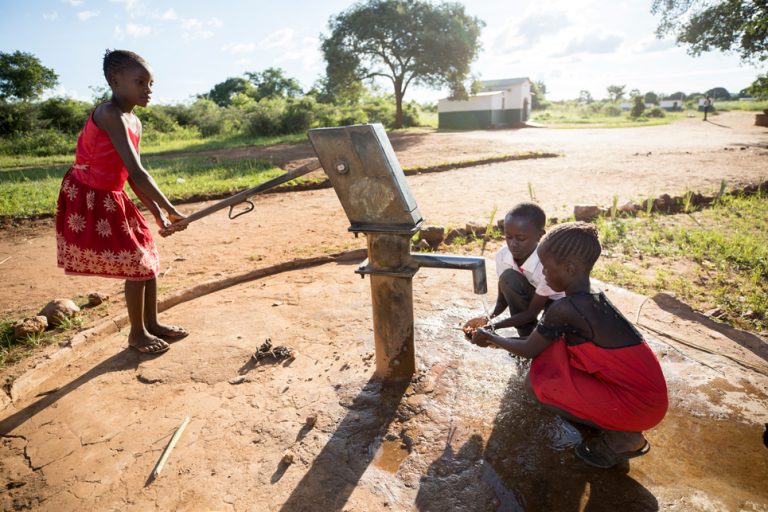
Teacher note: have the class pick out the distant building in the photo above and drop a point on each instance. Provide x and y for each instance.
(671, 105)
(500, 103)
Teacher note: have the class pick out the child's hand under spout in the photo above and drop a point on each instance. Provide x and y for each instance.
(473, 324)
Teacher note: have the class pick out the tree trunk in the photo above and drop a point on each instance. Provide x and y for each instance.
(399, 103)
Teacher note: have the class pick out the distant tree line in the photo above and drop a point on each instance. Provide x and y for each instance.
(404, 42)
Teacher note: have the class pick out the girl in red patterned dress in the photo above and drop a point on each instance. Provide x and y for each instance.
(99, 231)
(589, 363)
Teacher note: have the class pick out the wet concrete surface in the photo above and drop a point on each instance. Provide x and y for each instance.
(462, 436)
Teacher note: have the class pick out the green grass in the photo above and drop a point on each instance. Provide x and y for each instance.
(715, 258)
(33, 191)
(573, 116)
(158, 144)
(757, 106)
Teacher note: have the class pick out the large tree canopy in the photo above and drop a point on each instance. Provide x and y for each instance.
(404, 41)
(738, 26)
(23, 77)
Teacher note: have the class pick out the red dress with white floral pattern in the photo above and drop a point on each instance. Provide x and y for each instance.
(99, 231)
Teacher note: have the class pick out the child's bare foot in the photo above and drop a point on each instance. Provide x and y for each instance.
(148, 344)
(169, 333)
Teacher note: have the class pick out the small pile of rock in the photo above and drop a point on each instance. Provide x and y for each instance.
(54, 314)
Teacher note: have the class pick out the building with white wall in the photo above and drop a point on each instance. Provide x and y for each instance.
(499, 104)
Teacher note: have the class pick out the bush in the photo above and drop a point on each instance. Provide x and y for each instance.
(638, 106)
(655, 112)
(64, 114)
(17, 118)
(267, 117)
(611, 110)
(39, 143)
(299, 115)
(208, 117)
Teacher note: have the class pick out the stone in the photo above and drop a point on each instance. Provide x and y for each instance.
(629, 208)
(96, 298)
(311, 420)
(422, 245)
(59, 310)
(476, 228)
(433, 235)
(662, 203)
(30, 326)
(586, 213)
(453, 234)
(288, 457)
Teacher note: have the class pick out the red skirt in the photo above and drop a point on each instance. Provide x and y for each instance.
(617, 389)
(102, 233)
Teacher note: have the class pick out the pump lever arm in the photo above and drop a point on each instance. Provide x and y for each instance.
(244, 196)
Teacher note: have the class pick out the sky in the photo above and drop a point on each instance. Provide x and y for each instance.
(191, 45)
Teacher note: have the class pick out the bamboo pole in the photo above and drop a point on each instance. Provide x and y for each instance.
(171, 444)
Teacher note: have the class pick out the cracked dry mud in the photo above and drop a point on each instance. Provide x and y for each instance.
(461, 436)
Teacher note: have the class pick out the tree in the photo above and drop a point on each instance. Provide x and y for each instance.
(539, 95)
(222, 93)
(652, 98)
(732, 26)
(273, 82)
(23, 77)
(404, 41)
(638, 106)
(634, 93)
(585, 97)
(616, 92)
(718, 93)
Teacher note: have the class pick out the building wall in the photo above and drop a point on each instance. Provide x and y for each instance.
(481, 119)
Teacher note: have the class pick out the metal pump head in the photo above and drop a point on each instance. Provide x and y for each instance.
(364, 171)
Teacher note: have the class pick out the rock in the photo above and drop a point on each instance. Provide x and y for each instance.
(422, 245)
(30, 326)
(630, 208)
(96, 298)
(585, 213)
(311, 420)
(453, 234)
(59, 310)
(476, 229)
(433, 235)
(288, 458)
(714, 313)
(663, 203)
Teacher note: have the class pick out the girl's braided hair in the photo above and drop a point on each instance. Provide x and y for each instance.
(577, 240)
(116, 61)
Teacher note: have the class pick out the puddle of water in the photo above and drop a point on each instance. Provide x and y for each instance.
(390, 455)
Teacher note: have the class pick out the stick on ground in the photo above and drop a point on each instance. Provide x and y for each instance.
(171, 444)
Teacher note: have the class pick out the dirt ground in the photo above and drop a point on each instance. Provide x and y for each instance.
(87, 423)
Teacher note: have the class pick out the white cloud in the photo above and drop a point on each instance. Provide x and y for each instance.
(50, 16)
(236, 48)
(196, 29)
(592, 43)
(86, 15)
(191, 24)
(130, 5)
(199, 34)
(73, 3)
(279, 39)
(170, 14)
(131, 29)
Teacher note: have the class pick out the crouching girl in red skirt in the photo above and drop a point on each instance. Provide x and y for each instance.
(590, 365)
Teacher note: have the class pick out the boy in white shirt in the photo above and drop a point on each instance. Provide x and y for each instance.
(522, 287)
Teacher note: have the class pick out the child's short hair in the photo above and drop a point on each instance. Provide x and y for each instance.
(529, 211)
(578, 240)
(118, 60)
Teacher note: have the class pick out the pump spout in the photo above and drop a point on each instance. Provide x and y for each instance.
(475, 264)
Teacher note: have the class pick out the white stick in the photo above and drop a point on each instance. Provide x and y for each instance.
(171, 444)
